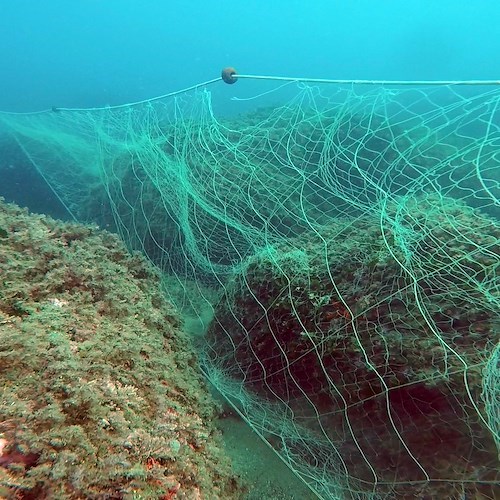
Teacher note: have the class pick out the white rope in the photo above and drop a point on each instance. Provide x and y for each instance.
(118, 106)
(369, 82)
(145, 101)
(279, 79)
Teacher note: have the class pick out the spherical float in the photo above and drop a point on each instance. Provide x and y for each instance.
(228, 75)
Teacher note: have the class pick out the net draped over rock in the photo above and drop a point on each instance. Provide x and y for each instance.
(341, 252)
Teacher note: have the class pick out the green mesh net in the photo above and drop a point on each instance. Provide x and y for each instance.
(335, 250)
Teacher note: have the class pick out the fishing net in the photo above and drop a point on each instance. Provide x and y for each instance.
(335, 249)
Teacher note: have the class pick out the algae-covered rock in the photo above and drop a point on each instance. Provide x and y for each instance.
(375, 332)
(100, 396)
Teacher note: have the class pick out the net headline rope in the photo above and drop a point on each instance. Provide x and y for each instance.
(229, 75)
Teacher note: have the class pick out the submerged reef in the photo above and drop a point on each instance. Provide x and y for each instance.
(374, 333)
(101, 393)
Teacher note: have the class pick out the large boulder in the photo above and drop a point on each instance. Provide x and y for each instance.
(101, 392)
(374, 332)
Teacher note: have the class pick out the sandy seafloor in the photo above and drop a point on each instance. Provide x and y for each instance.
(258, 466)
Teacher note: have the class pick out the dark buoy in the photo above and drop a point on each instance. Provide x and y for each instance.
(228, 75)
